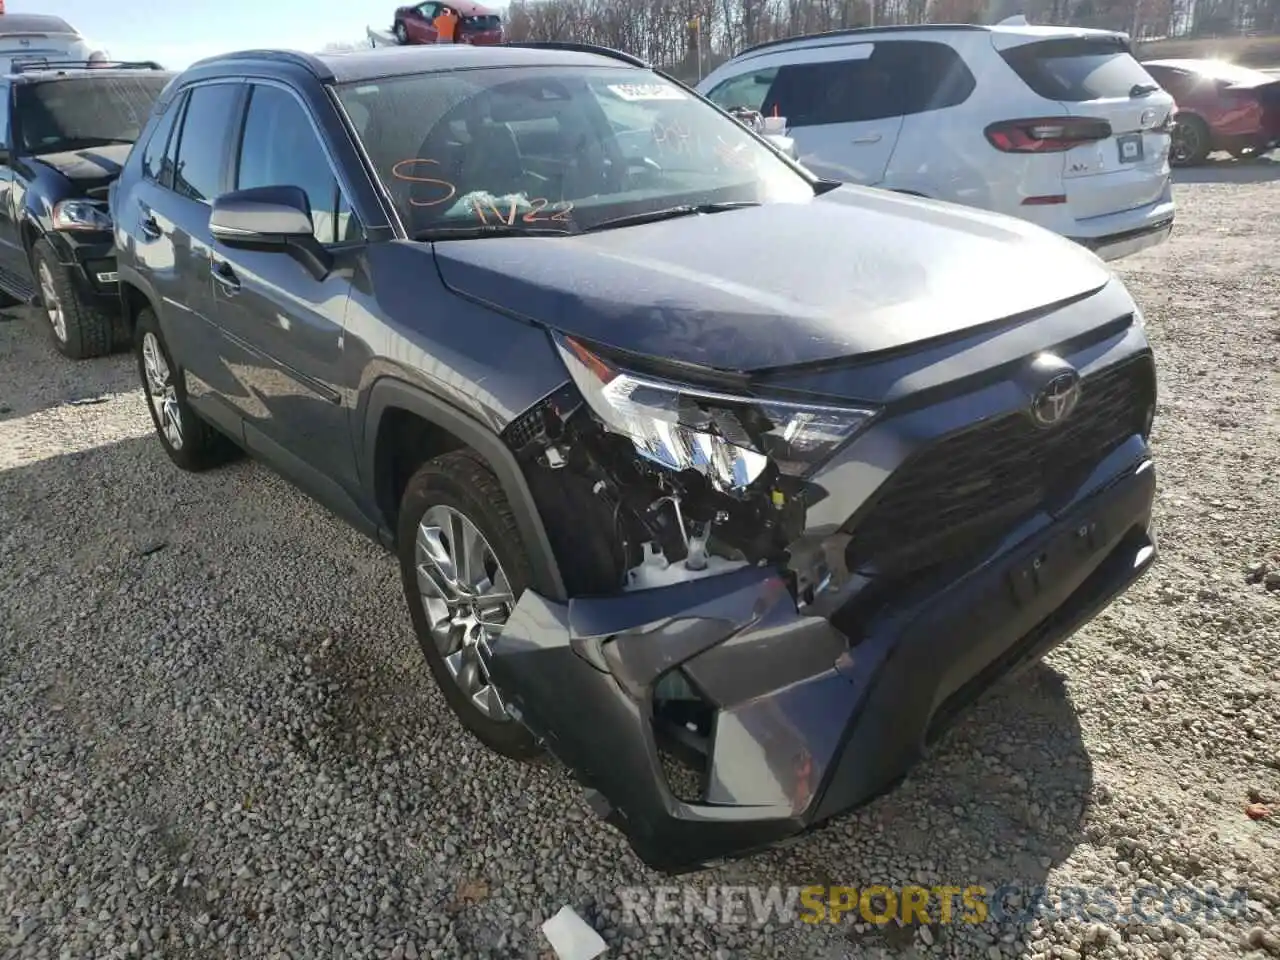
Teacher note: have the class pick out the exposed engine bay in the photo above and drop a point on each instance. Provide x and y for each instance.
(686, 497)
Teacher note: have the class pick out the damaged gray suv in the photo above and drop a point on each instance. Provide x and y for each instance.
(727, 486)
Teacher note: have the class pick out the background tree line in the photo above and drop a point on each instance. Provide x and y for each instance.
(671, 33)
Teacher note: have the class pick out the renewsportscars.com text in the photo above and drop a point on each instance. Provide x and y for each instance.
(968, 904)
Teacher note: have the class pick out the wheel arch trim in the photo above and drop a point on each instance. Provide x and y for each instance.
(389, 393)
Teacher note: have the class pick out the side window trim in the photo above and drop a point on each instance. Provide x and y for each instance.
(335, 169)
(6, 111)
(224, 161)
(169, 159)
(173, 113)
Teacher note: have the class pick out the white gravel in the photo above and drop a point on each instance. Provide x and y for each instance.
(217, 738)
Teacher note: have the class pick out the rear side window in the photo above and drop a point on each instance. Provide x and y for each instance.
(202, 147)
(900, 78)
(837, 91)
(1076, 69)
(153, 166)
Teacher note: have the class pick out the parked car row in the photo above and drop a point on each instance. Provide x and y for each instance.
(684, 451)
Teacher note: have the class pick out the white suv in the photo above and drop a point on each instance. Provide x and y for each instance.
(1056, 125)
(36, 39)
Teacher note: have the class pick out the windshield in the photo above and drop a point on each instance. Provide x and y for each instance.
(555, 149)
(75, 113)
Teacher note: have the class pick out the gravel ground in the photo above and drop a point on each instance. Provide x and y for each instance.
(217, 738)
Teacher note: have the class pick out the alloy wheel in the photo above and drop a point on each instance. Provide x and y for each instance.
(52, 305)
(466, 597)
(162, 394)
(1186, 142)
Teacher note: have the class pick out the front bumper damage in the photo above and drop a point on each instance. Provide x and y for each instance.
(811, 719)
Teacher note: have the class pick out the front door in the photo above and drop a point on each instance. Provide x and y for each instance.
(282, 322)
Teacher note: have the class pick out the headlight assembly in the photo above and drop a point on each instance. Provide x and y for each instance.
(730, 439)
(80, 215)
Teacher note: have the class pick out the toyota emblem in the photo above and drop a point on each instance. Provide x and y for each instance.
(1056, 399)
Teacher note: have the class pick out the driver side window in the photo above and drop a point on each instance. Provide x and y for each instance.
(429, 10)
(279, 147)
(745, 91)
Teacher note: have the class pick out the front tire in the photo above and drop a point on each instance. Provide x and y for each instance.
(78, 330)
(402, 34)
(463, 567)
(191, 443)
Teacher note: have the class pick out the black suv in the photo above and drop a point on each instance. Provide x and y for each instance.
(726, 485)
(65, 130)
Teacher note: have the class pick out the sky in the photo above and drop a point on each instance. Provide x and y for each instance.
(178, 32)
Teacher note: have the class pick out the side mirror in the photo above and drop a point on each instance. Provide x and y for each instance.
(261, 217)
(271, 218)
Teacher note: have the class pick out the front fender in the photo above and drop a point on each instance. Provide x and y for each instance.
(390, 393)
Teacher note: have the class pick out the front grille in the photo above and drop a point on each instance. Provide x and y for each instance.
(964, 490)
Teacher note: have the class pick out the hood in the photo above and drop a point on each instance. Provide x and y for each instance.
(853, 272)
(88, 168)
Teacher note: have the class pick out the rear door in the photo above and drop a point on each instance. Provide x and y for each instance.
(1095, 76)
(840, 108)
(179, 247)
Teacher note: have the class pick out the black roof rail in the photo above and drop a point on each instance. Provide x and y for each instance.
(307, 61)
(570, 45)
(859, 32)
(36, 66)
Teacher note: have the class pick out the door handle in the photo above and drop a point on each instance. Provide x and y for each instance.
(150, 229)
(225, 276)
(869, 138)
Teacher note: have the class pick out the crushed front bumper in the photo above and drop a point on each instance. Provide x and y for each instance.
(811, 720)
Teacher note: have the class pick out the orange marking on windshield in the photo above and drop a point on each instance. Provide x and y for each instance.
(488, 211)
(442, 184)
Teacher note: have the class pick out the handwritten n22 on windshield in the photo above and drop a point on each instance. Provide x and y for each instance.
(541, 209)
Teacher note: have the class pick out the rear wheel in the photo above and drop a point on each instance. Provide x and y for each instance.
(190, 442)
(463, 567)
(1189, 144)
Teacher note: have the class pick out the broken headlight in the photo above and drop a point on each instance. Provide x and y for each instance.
(730, 439)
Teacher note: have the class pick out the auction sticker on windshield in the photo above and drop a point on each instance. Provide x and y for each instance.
(645, 91)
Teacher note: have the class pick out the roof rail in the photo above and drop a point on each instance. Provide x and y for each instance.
(36, 66)
(859, 32)
(307, 61)
(580, 48)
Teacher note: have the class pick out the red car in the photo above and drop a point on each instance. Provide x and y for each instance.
(1220, 107)
(479, 25)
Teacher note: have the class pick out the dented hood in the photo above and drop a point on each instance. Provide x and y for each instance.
(854, 271)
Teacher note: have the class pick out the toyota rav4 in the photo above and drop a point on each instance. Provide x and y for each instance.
(727, 486)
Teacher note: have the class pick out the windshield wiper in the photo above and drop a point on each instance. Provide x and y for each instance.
(670, 213)
(472, 231)
(1142, 89)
